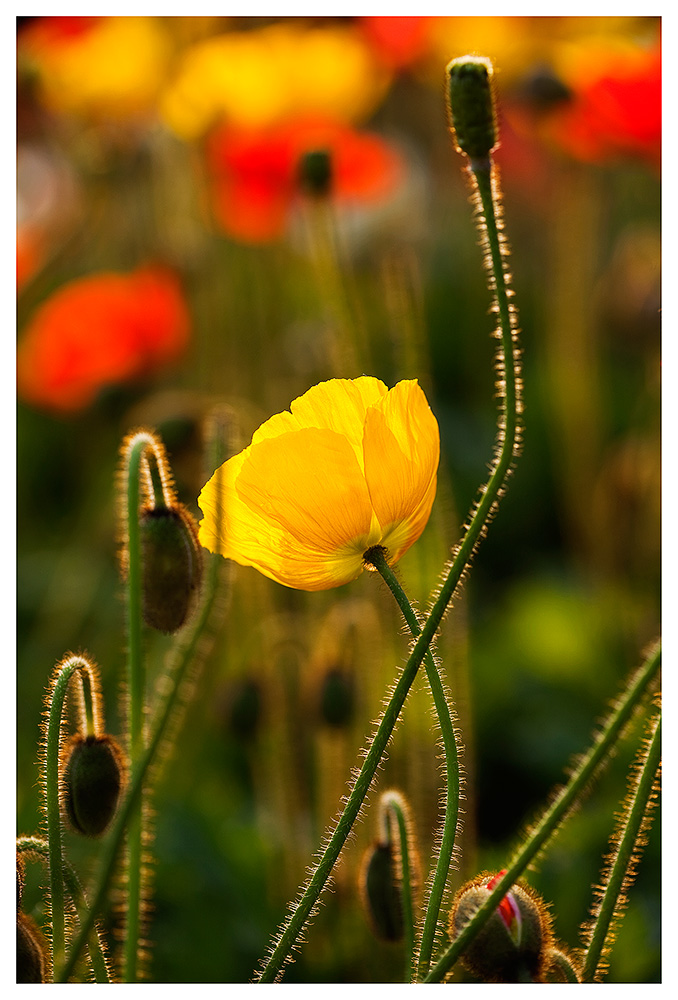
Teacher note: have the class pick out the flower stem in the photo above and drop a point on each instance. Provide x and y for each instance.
(377, 559)
(136, 448)
(562, 805)
(184, 657)
(635, 823)
(392, 810)
(57, 696)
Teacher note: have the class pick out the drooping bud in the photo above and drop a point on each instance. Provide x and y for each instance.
(380, 892)
(171, 560)
(513, 943)
(93, 777)
(471, 106)
(31, 951)
(337, 697)
(315, 172)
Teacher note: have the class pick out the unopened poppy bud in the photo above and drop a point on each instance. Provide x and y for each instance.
(471, 106)
(171, 566)
(380, 892)
(31, 951)
(92, 779)
(512, 945)
(337, 698)
(315, 172)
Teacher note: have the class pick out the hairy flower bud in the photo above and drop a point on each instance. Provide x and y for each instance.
(171, 566)
(513, 943)
(381, 893)
(471, 106)
(92, 779)
(31, 951)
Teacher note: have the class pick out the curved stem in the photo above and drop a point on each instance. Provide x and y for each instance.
(634, 822)
(554, 816)
(64, 671)
(136, 685)
(562, 963)
(391, 803)
(377, 559)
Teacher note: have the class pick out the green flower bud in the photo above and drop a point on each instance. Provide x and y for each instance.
(171, 566)
(513, 944)
(315, 172)
(31, 951)
(380, 892)
(471, 106)
(92, 779)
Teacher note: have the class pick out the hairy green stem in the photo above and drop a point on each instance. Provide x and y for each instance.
(158, 728)
(391, 805)
(563, 804)
(136, 696)
(376, 558)
(633, 825)
(36, 847)
(57, 697)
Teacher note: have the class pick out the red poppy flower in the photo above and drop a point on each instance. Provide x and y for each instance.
(616, 107)
(255, 172)
(97, 331)
(607, 103)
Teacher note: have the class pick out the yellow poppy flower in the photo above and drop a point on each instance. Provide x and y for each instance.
(351, 465)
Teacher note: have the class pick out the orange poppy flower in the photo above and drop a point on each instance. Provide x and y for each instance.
(98, 331)
(254, 172)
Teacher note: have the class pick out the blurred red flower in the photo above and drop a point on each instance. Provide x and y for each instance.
(98, 331)
(616, 107)
(608, 102)
(255, 172)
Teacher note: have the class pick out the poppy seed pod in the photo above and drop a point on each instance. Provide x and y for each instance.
(92, 779)
(171, 566)
(512, 945)
(380, 892)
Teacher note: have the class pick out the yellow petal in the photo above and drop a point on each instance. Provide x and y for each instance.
(338, 405)
(402, 450)
(296, 507)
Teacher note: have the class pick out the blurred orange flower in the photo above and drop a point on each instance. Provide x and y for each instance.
(254, 172)
(99, 331)
(97, 67)
(397, 41)
(261, 77)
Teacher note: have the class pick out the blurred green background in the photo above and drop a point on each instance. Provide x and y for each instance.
(564, 594)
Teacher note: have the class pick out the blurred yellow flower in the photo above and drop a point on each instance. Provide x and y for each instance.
(260, 77)
(98, 67)
(353, 465)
